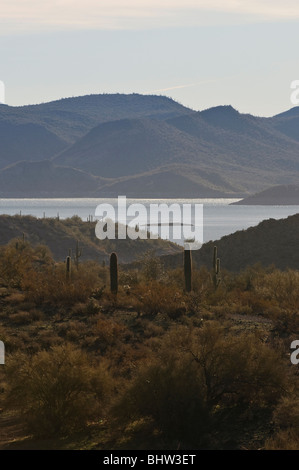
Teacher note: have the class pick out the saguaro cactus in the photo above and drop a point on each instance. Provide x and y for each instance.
(216, 269)
(214, 258)
(113, 273)
(188, 270)
(2, 353)
(68, 267)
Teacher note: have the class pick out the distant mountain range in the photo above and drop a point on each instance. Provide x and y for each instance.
(143, 146)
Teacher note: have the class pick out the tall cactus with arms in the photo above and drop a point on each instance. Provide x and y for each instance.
(188, 270)
(113, 273)
(216, 269)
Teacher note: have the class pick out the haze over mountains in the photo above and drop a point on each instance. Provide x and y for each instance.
(143, 146)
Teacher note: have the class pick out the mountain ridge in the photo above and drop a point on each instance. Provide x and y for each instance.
(270, 243)
(137, 143)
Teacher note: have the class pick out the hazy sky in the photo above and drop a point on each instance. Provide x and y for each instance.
(202, 53)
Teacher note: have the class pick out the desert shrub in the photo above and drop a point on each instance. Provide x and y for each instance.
(244, 281)
(125, 357)
(52, 286)
(109, 330)
(286, 414)
(202, 380)
(91, 307)
(20, 318)
(78, 309)
(109, 333)
(251, 302)
(201, 280)
(193, 302)
(286, 421)
(103, 274)
(44, 339)
(15, 259)
(128, 278)
(283, 440)
(152, 330)
(42, 256)
(72, 330)
(237, 369)
(169, 396)
(98, 293)
(260, 306)
(286, 322)
(15, 298)
(157, 298)
(279, 286)
(18, 257)
(36, 314)
(152, 267)
(56, 391)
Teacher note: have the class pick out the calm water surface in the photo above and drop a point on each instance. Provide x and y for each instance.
(220, 218)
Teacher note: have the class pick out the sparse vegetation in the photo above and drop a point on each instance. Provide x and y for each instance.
(155, 367)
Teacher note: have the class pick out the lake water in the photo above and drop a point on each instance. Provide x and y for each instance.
(219, 217)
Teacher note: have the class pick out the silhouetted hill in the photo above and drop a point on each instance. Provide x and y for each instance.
(241, 139)
(272, 242)
(215, 152)
(172, 182)
(287, 123)
(62, 235)
(44, 179)
(132, 146)
(71, 118)
(27, 141)
(278, 195)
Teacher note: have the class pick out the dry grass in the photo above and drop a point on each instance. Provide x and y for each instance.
(153, 359)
